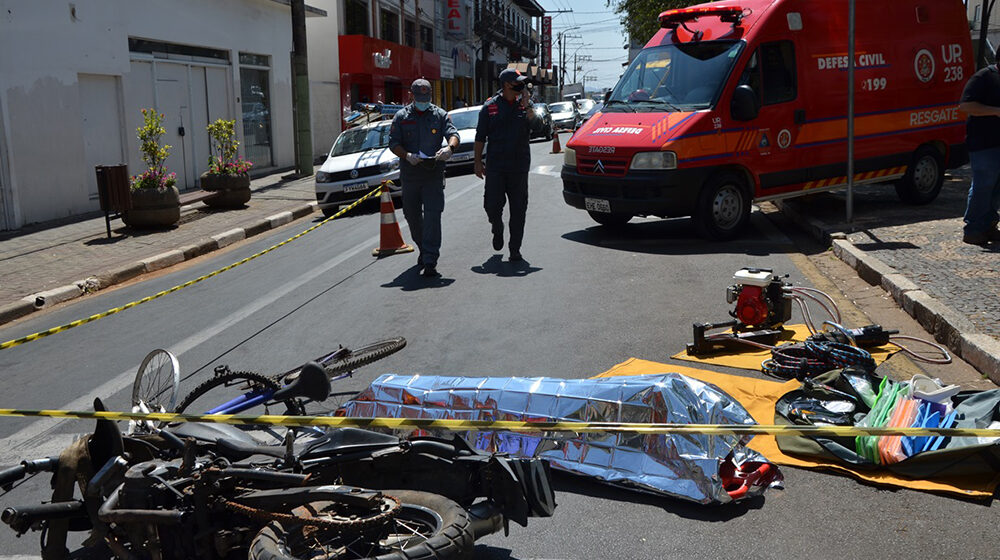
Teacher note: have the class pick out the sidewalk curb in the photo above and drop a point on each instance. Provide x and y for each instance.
(105, 279)
(946, 325)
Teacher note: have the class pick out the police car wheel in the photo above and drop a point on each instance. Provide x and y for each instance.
(923, 178)
(723, 207)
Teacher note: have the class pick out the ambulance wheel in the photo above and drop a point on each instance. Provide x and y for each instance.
(723, 207)
(923, 178)
(610, 220)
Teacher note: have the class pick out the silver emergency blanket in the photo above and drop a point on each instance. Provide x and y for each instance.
(681, 466)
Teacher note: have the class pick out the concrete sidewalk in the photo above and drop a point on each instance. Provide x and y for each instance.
(46, 264)
(916, 254)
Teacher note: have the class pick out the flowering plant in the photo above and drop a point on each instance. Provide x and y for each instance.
(223, 160)
(153, 155)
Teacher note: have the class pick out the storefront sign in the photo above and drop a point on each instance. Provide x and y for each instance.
(456, 20)
(383, 59)
(546, 42)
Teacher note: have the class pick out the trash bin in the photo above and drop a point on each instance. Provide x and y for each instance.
(113, 190)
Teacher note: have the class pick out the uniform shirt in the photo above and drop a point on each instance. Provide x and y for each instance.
(982, 133)
(506, 128)
(421, 131)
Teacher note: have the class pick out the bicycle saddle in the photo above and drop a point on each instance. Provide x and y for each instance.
(311, 383)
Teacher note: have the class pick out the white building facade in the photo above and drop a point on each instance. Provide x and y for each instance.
(74, 76)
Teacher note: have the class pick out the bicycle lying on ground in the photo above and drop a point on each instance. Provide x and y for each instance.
(157, 384)
(213, 491)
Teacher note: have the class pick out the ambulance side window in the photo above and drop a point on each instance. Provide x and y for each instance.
(771, 72)
(777, 64)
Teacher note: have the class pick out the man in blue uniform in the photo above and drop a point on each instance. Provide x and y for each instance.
(505, 122)
(981, 101)
(415, 136)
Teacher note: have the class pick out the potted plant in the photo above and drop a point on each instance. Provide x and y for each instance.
(155, 200)
(227, 172)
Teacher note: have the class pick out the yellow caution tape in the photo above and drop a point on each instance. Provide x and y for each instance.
(508, 425)
(78, 322)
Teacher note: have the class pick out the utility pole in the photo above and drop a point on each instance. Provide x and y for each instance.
(300, 85)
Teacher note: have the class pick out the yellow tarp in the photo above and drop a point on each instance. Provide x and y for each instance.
(752, 357)
(758, 397)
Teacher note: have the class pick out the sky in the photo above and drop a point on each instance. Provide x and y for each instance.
(601, 36)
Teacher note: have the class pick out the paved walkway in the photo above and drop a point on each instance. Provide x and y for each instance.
(917, 254)
(63, 261)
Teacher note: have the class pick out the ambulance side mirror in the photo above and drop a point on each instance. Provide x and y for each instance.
(745, 106)
(607, 96)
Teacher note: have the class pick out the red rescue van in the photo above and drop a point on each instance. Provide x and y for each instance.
(746, 100)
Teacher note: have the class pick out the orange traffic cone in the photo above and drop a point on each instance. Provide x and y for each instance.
(556, 148)
(390, 238)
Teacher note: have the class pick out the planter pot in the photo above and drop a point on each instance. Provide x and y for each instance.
(234, 189)
(153, 208)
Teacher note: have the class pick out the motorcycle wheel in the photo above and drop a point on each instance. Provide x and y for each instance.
(427, 526)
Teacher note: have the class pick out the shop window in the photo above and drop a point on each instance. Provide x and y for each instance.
(426, 38)
(390, 26)
(409, 33)
(355, 17)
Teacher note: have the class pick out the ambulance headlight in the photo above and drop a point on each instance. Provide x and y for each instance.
(569, 157)
(654, 160)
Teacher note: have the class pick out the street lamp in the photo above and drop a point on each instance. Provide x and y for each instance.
(574, 58)
(562, 55)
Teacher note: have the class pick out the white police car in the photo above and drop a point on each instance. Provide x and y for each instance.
(358, 162)
(465, 120)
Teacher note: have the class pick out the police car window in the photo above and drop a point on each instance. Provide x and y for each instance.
(360, 139)
(771, 73)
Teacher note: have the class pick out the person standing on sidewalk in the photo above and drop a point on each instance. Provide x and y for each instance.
(981, 101)
(415, 136)
(505, 121)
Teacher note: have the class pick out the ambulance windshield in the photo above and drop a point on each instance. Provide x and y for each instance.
(679, 77)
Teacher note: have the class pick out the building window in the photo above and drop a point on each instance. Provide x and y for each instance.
(426, 38)
(409, 33)
(390, 26)
(355, 17)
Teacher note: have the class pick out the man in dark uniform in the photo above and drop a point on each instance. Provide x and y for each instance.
(981, 101)
(505, 122)
(415, 136)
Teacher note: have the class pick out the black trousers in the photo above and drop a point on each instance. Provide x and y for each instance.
(503, 187)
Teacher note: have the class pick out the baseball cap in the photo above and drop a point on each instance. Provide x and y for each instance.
(421, 89)
(512, 76)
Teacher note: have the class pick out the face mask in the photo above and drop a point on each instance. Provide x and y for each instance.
(422, 105)
(517, 87)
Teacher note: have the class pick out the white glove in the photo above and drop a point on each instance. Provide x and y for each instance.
(444, 154)
(412, 159)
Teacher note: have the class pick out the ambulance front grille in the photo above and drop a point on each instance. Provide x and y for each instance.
(609, 166)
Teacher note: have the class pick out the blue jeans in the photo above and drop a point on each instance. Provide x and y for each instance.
(423, 203)
(981, 211)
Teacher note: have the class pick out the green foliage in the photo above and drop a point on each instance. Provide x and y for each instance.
(223, 160)
(153, 155)
(640, 16)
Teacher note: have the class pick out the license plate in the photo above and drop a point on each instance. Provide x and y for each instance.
(361, 186)
(597, 205)
(461, 157)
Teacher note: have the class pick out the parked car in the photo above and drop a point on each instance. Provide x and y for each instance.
(358, 162)
(585, 105)
(593, 111)
(465, 120)
(565, 115)
(547, 129)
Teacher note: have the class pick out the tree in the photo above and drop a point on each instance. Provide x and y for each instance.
(640, 16)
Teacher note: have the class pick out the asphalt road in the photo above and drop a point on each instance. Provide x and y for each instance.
(585, 300)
